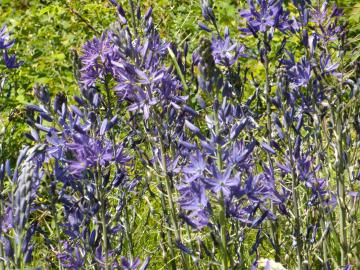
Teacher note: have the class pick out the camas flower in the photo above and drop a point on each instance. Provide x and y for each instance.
(95, 59)
(327, 21)
(298, 73)
(196, 168)
(134, 264)
(10, 61)
(4, 39)
(326, 66)
(225, 51)
(270, 15)
(222, 182)
(194, 200)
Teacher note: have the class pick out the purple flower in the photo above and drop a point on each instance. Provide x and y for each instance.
(7, 220)
(326, 19)
(299, 73)
(207, 11)
(134, 264)
(270, 15)
(326, 66)
(90, 153)
(71, 257)
(196, 168)
(95, 59)
(141, 77)
(194, 199)
(222, 182)
(10, 61)
(4, 39)
(240, 155)
(225, 51)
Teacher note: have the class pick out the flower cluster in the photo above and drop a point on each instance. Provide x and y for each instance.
(213, 163)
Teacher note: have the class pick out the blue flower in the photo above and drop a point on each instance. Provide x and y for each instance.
(298, 73)
(95, 59)
(196, 168)
(270, 15)
(194, 199)
(4, 39)
(10, 61)
(222, 182)
(225, 51)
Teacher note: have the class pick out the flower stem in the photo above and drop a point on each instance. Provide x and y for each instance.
(273, 224)
(223, 232)
(340, 186)
(101, 194)
(294, 184)
(170, 198)
(128, 230)
(222, 214)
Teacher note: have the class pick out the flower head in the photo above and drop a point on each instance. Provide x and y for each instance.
(269, 15)
(225, 51)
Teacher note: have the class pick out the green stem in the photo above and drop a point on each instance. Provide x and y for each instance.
(128, 230)
(165, 215)
(340, 185)
(2, 265)
(57, 229)
(222, 214)
(318, 149)
(169, 196)
(168, 232)
(54, 213)
(273, 224)
(294, 183)
(104, 235)
(223, 232)
(101, 194)
(19, 256)
(108, 96)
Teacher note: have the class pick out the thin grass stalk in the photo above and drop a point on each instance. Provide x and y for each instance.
(2, 266)
(19, 259)
(54, 214)
(57, 229)
(168, 233)
(178, 69)
(336, 113)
